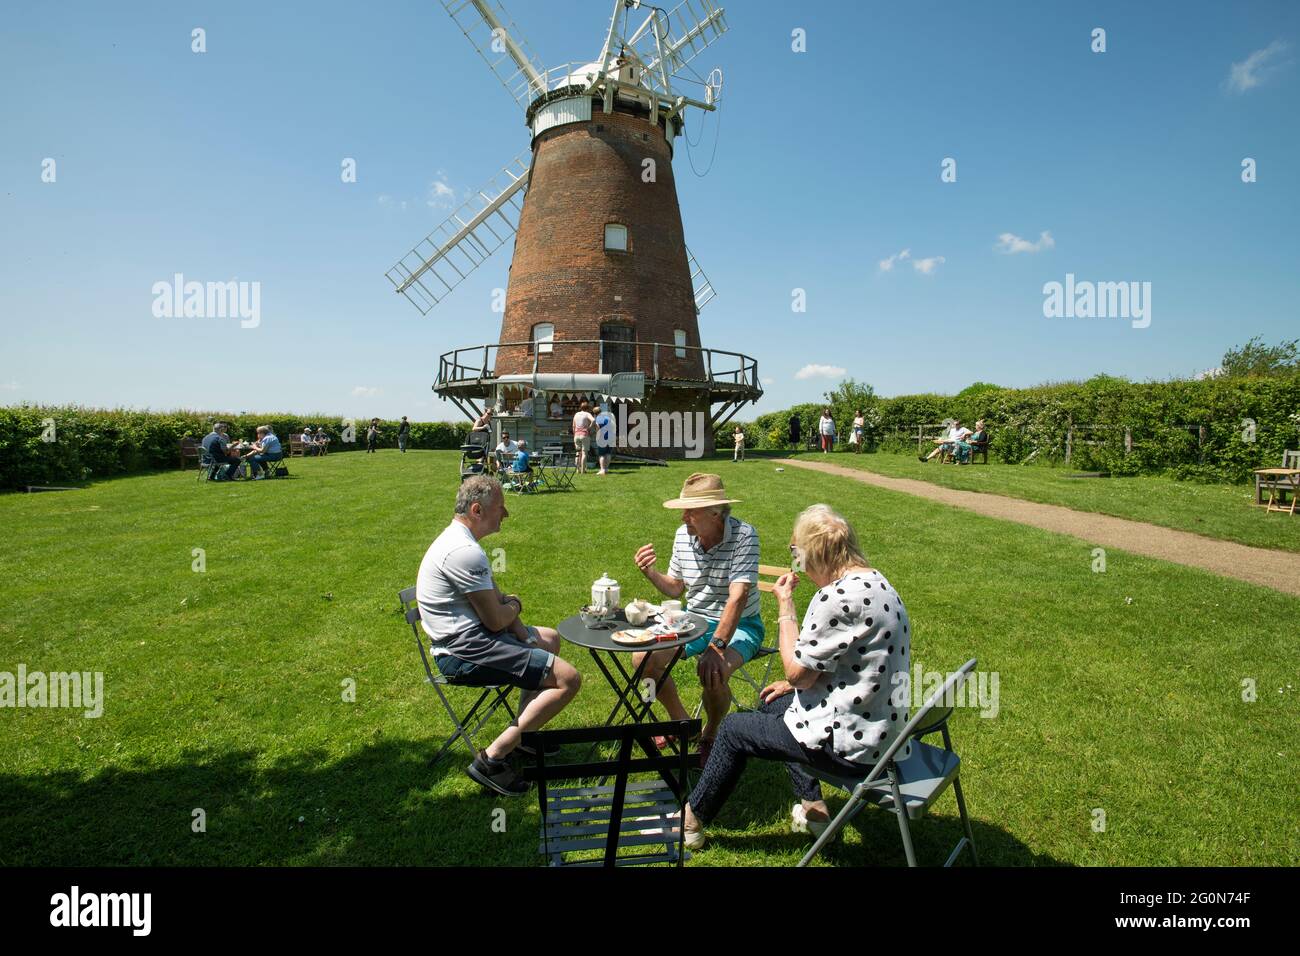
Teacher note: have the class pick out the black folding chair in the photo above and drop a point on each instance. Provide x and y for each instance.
(914, 783)
(493, 696)
(635, 815)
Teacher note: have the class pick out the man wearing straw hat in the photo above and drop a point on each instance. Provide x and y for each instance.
(715, 562)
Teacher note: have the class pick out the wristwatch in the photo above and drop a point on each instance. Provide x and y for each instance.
(718, 642)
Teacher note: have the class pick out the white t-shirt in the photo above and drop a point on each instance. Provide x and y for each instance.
(828, 426)
(958, 433)
(454, 566)
(509, 447)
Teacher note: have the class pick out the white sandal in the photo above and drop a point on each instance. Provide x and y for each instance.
(799, 822)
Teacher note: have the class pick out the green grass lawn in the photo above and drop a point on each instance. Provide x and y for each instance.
(1216, 511)
(224, 689)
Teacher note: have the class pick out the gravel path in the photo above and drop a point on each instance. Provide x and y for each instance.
(1279, 570)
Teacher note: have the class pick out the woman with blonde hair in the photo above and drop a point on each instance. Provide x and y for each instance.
(837, 710)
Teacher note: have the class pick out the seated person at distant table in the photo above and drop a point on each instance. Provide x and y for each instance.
(505, 448)
(216, 444)
(521, 466)
(265, 451)
(557, 410)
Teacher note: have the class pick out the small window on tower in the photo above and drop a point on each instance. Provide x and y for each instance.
(679, 340)
(543, 336)
(616, 237)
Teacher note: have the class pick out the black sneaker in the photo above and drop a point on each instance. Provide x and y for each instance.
(497, 775)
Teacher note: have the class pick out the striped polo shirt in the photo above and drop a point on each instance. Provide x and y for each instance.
(708, 574)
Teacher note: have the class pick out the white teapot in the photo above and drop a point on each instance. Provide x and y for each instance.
(605, 595)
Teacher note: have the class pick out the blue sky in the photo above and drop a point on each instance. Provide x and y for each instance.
(226, 166)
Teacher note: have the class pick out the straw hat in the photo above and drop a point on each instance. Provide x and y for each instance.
(701, 491)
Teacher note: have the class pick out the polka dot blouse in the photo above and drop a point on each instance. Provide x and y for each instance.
(856, 635)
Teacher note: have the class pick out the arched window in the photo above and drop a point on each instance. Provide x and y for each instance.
(543, 336)
(679, 340)
(615, 237)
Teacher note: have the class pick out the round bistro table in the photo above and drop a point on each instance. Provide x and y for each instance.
(599, 642)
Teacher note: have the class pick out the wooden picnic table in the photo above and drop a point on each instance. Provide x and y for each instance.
(1284, 480)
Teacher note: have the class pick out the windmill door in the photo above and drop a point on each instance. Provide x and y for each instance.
(618, 348)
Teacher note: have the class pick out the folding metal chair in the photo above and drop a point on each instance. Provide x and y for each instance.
(493, 696)
(915, 783)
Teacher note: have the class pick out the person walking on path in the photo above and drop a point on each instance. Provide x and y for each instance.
(403, 432)
(372, 435)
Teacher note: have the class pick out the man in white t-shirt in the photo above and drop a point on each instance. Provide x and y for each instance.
(477, 636)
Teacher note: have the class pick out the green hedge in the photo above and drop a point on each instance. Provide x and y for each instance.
(1185, 428)
(96, 443)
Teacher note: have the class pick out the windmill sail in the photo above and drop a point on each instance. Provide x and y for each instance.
(502, 46)
(666, 43)
(442, 259)
(703, 288)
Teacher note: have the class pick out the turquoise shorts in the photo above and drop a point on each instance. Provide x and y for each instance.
(745, 642)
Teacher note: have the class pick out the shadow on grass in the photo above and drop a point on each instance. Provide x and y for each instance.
(381, 805)
(878, 841)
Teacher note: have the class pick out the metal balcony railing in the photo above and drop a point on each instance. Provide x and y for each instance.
(659, 361)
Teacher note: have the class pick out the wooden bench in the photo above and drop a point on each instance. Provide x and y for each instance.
(191, 451)
(296, 447)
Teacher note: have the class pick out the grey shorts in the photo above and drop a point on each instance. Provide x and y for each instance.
(512, 662)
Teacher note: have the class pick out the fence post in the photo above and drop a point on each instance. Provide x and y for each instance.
(918, 439)
(1069, 440)
(1200, 444)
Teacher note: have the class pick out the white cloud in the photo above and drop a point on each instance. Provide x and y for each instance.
(365, 391)
(1009, 243)
(927, 266)
(1215, 372)
(887, 264)
(769, 381)
(819, 371)
(1253, 70)
(441, 196)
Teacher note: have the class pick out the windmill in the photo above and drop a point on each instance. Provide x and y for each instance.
(603, 296)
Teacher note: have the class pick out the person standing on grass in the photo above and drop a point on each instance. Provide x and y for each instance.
(582, 422)
(480, 433)
(738, 436)
(859, 425)
(372, 435)
(715, 562)
(796, 429)
(840, 706)
(603, 424)
(403, 432)
(826, 428)
(477, 635)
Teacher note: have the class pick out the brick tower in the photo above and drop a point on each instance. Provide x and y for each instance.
(629, 288)
(603, 295)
